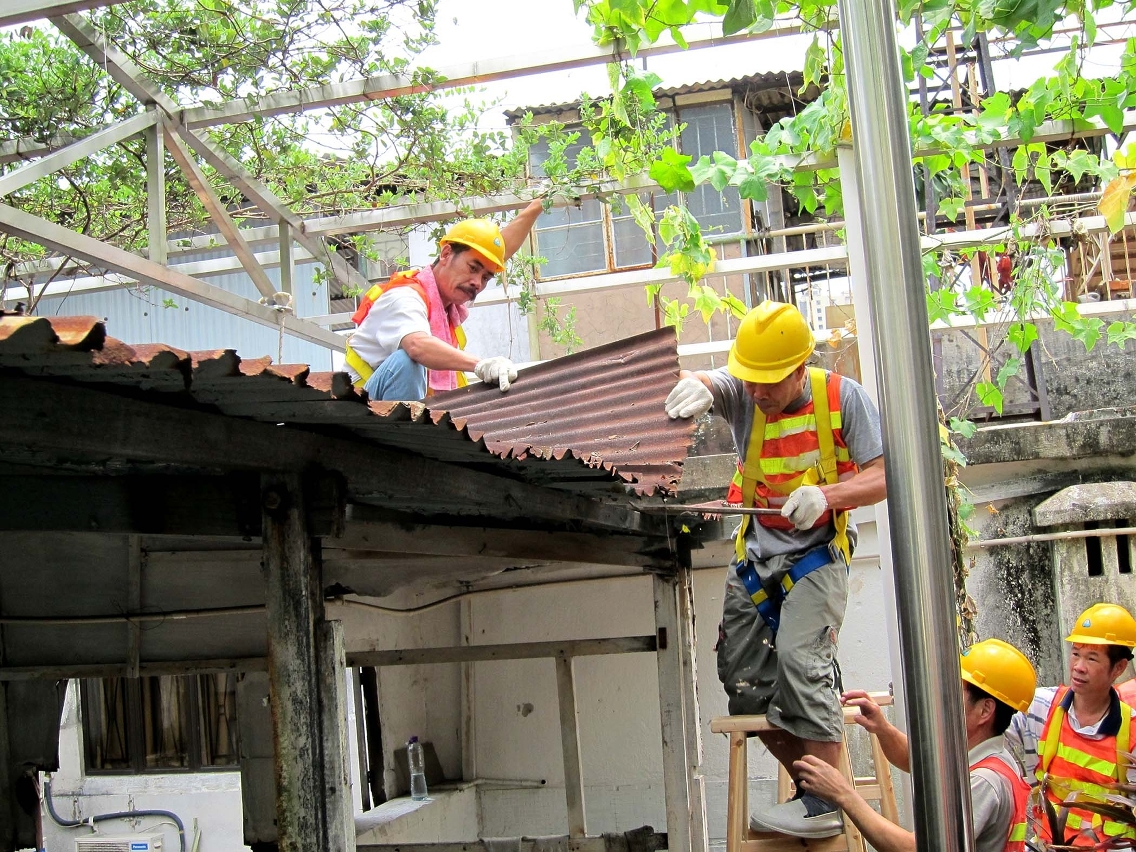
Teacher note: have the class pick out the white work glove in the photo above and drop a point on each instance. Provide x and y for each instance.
(496, 369)
(689, 398)
(805, 506)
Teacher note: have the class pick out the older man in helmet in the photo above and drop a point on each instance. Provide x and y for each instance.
(1079, 734)
(810, 449)
(997, 681)
(409, 339)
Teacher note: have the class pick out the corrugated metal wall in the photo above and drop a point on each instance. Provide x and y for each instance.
(139, 316)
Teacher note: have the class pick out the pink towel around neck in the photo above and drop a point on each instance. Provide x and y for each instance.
(443, 321)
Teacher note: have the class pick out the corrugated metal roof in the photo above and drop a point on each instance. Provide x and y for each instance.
(751, 84)
(582, 423)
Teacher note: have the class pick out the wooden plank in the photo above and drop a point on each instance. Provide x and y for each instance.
(156, 669)
(675, 766)
(517, 651)
(54, 419)
(884, 782)
(638, 840)
(570, 743)
(216, 506)
(699, 835)
(737, 796)
(291, 597)
(336, 767)
(754, 724)
(510, 543)
(134, 604)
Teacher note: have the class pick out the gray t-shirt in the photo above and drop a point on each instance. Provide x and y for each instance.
(861, 430)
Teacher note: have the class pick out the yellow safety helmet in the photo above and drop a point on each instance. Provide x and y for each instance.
(772, 341)
(1104, 624)
(481, 235)
(1001, 670)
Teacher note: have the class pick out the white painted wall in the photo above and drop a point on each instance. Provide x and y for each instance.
(213, 799)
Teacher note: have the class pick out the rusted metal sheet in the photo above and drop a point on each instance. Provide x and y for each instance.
(587, 423)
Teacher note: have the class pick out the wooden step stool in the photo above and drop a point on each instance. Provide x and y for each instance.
(741, 838)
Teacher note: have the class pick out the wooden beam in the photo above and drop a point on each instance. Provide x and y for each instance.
(671, 717)
(570, 745)
(332, 667)
(56, 419)
(24, 11)
(699, 835)
(519, 651)
(155, 669)
(644, 839)
(292, 597)
(134, 604)
(216, 506)
(510, 543)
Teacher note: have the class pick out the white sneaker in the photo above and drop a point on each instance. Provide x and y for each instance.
(793, 818)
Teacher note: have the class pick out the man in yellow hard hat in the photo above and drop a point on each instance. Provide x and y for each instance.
(409, 339)
(998, 680)
(810, 448)
(1079, 734)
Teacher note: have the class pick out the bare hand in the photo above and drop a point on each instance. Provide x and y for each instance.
(822, 779)
(871, 717)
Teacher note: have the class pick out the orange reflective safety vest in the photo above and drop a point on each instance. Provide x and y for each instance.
(1020, 790)
(407, 278)
(791, 449)
(1084, 765)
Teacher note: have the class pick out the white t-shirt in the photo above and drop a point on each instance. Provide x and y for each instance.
(395, 314)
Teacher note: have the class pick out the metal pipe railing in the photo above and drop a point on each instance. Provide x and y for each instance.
(916, 497)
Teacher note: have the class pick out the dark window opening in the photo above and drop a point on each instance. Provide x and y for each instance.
(1123, 554)
(1093, 551)
(160, 724)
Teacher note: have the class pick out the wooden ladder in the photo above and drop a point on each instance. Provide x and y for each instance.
(741, 838)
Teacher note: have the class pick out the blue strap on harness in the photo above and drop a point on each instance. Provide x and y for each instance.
(769, 606)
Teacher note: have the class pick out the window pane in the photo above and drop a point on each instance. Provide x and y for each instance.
(572, 240)
(708, 129)
(165, 717)
(217, 699)
(104, 723)
(631, 245)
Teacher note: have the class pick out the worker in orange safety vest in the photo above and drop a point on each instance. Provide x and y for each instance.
(998, 681)
(409, 340)
(1074, 739)
(811, 450)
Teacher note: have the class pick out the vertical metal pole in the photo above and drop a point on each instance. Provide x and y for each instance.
(156, 192)
(916, 495)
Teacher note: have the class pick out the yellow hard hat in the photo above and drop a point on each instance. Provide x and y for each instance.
(1001, 670)
(772, 341)
(481, 235)
(1104, 624)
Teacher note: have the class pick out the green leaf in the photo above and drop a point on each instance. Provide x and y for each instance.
(951, 207)
(717, 173)
(1022, 335)
(1120, 332)
(742, 15)
(966, 428)
(671, 173)
(978, 301)
(707, 302)
(941, 305)
(1008, 370)
(952, 454)
(989, 395)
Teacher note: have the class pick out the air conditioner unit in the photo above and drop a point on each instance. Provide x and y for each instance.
(130, 843)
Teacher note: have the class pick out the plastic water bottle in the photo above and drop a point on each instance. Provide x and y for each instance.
(417, 763)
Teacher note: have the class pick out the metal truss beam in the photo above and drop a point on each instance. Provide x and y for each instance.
(19, 150)
(53, 236)
(449, 77)
(23, 11)
(218, 214)
(110, 135)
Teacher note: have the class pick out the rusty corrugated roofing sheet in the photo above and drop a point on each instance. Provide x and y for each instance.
(582, 423)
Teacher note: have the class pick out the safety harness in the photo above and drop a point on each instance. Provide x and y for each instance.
(400, 279)
(825, 470)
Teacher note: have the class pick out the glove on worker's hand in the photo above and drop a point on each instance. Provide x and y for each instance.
(496, 369)
(805, 506)
(689, 398)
